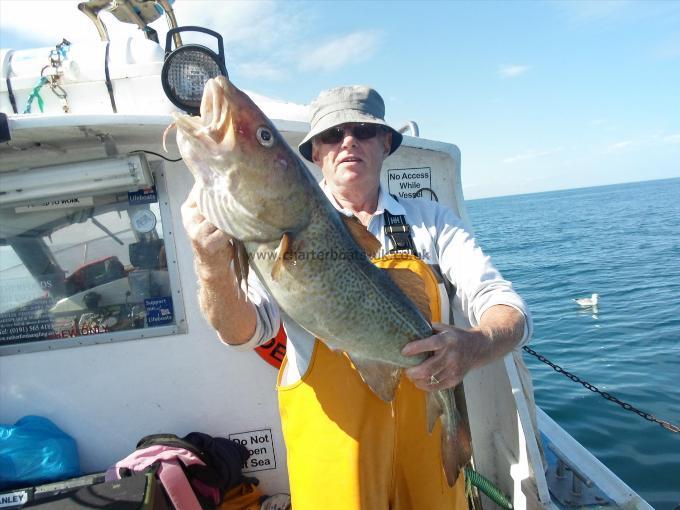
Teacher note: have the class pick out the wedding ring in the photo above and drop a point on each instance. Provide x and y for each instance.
(433, 380)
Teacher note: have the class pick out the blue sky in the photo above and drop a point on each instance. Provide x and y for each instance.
(537, 95)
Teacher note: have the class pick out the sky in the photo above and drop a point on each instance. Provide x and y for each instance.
(537, 95)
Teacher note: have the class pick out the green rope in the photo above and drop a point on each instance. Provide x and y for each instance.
(472, 477)
(36, 95)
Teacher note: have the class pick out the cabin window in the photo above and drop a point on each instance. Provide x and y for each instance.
(87, 269)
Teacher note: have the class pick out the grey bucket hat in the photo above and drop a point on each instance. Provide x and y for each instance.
(340, 105)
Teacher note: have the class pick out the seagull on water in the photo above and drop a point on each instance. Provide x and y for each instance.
(588, 301)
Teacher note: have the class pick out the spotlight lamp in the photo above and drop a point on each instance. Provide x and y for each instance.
(187, 68)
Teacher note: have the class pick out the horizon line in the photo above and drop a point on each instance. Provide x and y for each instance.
(566, 189)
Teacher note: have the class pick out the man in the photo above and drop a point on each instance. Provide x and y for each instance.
(346, 448)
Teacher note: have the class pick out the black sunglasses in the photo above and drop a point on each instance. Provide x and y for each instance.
(359, 131)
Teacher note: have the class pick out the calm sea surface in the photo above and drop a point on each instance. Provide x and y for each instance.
(622, 242)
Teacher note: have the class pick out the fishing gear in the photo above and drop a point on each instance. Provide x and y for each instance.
(473, 478)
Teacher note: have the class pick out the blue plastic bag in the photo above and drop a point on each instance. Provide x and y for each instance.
(34, 451)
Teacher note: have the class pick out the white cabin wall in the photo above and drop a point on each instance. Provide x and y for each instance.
(108, 396)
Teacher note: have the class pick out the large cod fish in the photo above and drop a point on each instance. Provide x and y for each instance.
(254, 187)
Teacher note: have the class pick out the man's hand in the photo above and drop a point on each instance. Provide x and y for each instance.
(213, 249)
(456, 351)
(224, 304)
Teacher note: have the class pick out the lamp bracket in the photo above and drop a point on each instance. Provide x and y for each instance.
(106, 139)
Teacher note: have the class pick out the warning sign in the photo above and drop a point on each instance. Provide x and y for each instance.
(411, 183)
(260, 444)
(63, 203)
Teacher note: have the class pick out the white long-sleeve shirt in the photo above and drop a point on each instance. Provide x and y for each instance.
(441, 240)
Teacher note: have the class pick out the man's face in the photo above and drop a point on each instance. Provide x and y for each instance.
(349, 156)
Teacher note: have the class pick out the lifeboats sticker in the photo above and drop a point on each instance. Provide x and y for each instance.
(411, 183)
(260, 445)
(158, 311)
(143, 196)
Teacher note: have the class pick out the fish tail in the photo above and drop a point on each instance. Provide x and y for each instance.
(455, 438)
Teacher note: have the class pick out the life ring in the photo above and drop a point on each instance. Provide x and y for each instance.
(274, 350)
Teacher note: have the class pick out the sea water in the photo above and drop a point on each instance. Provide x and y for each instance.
(623, 243)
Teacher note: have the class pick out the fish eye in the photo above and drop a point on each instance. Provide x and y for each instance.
(265, 136)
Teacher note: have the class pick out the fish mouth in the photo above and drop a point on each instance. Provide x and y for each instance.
(208, 137)
(214, 126)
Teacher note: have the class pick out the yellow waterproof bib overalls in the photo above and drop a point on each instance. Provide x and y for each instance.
(349, 450)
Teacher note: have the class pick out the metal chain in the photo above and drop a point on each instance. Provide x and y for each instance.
(57, 57)
(51, 78)
(603, 394)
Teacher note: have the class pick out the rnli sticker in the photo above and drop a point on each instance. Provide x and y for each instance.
(143, 196)
(158, 311)
(274, 350)
(411, 183)
(260, 445)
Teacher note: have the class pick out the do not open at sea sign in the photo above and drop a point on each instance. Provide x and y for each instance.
(260, 444)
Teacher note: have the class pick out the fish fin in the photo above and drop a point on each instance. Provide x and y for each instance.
(464, 437)
(413, 286)
(285, 246)
(361, 235)
(434, 411)
(241, 267)
(455, 439)
(382, 378)
(166, 132)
